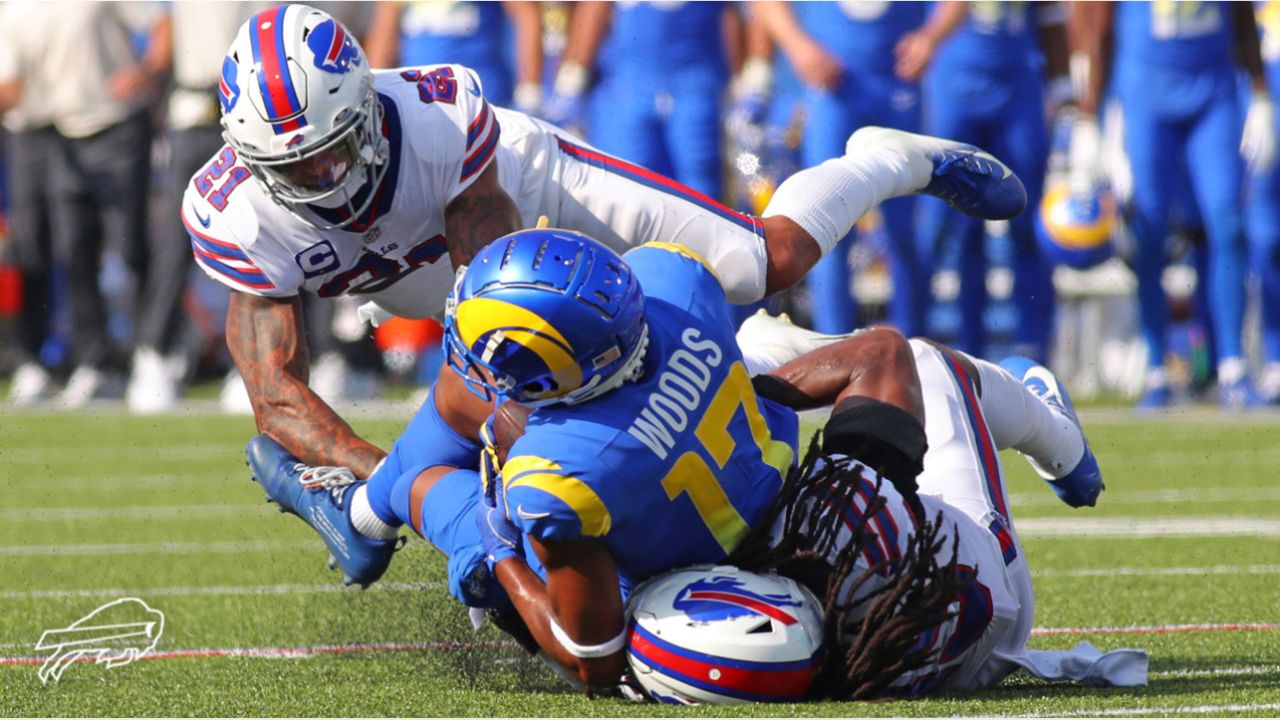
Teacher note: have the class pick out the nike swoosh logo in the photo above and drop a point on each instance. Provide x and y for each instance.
(473, 89)
(530, 516)
(203, 220)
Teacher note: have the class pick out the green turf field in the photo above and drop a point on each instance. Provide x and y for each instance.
(102, 506)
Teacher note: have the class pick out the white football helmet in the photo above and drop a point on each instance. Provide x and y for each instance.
(722, 635)
(299, 107)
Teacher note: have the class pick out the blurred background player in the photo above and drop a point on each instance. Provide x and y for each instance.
(30, 146)
(201, 34)
(660, 70)
(843, 53)
(101, 179)
(500, 41)
(1175, 75)
(1264, 214)
(985, 71)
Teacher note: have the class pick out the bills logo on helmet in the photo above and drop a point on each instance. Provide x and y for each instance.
(334, 50)
(228, 90)
(724, 598)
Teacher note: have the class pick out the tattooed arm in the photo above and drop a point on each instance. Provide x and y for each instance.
(266, 341)
(481, 213)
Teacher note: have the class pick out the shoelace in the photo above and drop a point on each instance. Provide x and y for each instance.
(326, 477)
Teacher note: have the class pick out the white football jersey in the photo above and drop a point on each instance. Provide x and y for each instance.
(441, 133)
(986, 610)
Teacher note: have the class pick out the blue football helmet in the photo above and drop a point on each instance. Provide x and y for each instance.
(545, 316)
(1074, 227)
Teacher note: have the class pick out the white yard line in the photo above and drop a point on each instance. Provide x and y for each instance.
(1159, 710)
(1217, 526)
(125, 512)
(1018, 501)
(1156, 629)
(153, 548)
(192, 591)
(1156, 571)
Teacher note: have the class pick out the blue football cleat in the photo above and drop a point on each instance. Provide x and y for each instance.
(319, 496)
(1082, 485)
(966, 177)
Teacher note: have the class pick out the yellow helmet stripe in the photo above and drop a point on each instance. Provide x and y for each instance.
(479, 316)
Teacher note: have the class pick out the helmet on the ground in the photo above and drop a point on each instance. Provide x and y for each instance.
(545, 316)
(722, 635)
(1074, 227)
(299, 108)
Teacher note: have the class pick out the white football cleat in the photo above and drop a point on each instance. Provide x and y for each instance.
(153, 385)
(31, 384)
(768, 342)
(88, 383)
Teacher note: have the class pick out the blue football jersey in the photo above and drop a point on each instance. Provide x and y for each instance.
(670, 470)
(1183, 35)
(862, 34)
(997, 37)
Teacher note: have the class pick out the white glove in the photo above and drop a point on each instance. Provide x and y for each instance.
(1258, 141)
(373, 313)
(1086, 153)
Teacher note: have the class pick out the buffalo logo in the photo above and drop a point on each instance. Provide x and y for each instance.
(115, 634)
(228, 90)
(335, 51)
(726, 597)
(293, 141)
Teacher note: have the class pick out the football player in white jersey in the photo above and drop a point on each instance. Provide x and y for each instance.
(337, 179)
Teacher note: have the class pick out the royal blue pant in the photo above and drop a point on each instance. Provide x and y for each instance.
(865, 99)
(1263, 210)
(1171, 116)
(1005, 116)
(674, 131)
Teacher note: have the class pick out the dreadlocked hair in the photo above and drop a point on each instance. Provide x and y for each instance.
(863, 656)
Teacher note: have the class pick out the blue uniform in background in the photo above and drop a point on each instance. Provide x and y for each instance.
(985, 86)
(668, 471)
(1175, 77)
(863, 36)
(662, 72)
(1264, 201)
(475, 34)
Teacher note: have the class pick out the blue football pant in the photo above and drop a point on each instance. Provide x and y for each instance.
(1004, 116)
(1207, 136)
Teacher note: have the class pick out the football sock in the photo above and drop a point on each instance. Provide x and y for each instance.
(1020, 420)
(828, 199)
(365, 520)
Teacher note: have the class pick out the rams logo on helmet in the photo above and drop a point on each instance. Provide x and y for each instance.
(1074, 228)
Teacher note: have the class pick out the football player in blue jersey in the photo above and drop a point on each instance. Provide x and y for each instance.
(1174, 72)
(987, 72)
(476, 34)
(660, 72)
(844, 54)
(651, 448)
(1264, 211)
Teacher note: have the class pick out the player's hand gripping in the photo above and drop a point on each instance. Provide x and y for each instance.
(502, 539)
